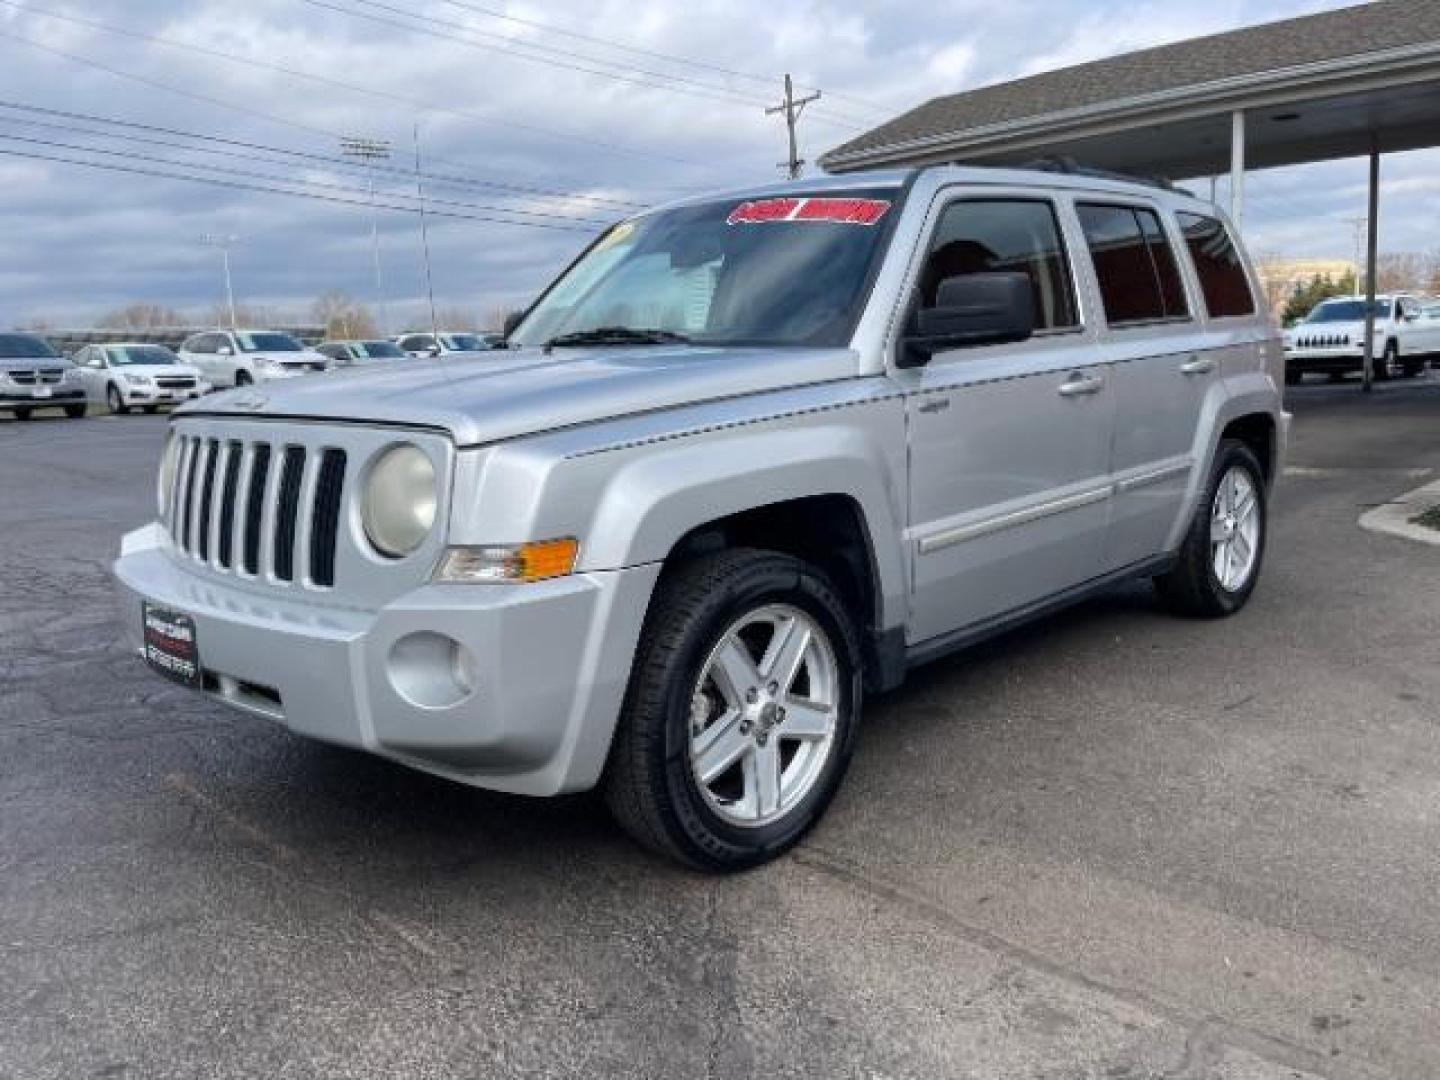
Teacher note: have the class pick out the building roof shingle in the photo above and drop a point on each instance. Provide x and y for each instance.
(1310, 39)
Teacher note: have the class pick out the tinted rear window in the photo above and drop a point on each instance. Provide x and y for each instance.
(1217, 263)
(1135, 265)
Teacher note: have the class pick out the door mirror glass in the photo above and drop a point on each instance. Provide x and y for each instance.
(225, 350)
(972, 309)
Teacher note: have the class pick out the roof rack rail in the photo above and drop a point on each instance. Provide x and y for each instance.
(1071, 167)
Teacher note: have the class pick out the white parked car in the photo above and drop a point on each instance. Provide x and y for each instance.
(243, 357)
(1331, 339)
(419, 345)
(125, 376)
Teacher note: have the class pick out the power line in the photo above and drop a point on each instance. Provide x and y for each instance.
(130, 155)
(252, 62)
(241, 186)
(250, 148)
(425, 24)
(551, 28)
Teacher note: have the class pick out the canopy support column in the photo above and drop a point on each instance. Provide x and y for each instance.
(1237, 166)
(1372, 244)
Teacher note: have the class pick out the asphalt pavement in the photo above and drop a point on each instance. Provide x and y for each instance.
(1113, 845)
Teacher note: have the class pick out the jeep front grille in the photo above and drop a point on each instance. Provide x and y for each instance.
(277, 505)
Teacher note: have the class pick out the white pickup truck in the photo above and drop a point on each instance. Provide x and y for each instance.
(1331, 339)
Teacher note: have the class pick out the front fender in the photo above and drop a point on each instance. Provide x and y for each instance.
(650, 501)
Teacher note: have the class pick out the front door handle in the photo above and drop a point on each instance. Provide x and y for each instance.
(1198, 365)
(1077, 385)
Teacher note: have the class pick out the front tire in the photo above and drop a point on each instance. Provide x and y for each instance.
(115, 400)
(742, 711)
(76, 412)
(1219, 560)
(1387, 366)
(242, 378)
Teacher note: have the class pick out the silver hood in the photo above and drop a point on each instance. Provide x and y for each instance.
(502, 395)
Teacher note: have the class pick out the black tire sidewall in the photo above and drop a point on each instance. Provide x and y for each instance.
(772, 580)
(115, 400)
(1229, 456)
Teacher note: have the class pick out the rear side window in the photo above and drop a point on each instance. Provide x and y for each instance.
(978, 236)
(1217, 263)
(1134, 263)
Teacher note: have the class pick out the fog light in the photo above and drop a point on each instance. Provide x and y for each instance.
(431, 671)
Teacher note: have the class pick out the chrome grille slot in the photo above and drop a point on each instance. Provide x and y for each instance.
(287, 514)
(203, 523)
(257, 482)
(325, 521)
(229, 496)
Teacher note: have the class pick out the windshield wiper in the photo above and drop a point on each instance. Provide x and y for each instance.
(618, 335)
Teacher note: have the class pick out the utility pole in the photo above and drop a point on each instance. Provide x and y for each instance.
(792, 108)
(225, 243)
(1358, 224)
(425, 240)
(371, 151)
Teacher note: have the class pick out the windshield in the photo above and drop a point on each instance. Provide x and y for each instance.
(379, 350)
(24, 347)
(269, 343)
(462, 342)
(779, 271)
(127, 355)
(1347, 311)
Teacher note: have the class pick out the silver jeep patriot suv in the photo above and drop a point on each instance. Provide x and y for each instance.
(749, 458)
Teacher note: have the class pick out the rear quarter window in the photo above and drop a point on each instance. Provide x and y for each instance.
(1134, 264)
(1223, 280)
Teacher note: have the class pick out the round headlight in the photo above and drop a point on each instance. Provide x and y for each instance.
(165, 481)
(398, 507)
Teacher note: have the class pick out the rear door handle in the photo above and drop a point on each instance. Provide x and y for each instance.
(1198, 365)
(1077, 385)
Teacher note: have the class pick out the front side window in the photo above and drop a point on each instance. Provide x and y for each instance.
(131, 355)
(1134, 264)
(997, 236)
(25, 347)
(463, 342)
(1217, 263)
(268, 342)
(787, 270)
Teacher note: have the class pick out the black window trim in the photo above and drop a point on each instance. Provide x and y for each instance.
(1161, 215)
(944, 201)
(1255, 305)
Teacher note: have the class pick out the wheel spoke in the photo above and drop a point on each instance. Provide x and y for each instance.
(762, 780)
(807, 720)
(718, 747)
(735, 672)
(1217, 530)
(786, 653)
(1242, 547)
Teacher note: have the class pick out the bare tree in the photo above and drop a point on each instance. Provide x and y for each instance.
(496, 317)
(456, 318)
(1400, 271)
(141, 317)
(342, 316)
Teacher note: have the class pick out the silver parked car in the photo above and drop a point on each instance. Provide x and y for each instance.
(343, 354)
(127, 376)
(751, 457)
(246, 357)
(34, 376)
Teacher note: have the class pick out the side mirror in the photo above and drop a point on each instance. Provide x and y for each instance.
(432, 350)
(224, 350)
(512, 320)
(974, 309)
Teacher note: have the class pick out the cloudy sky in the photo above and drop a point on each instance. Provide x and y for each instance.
(527, 112)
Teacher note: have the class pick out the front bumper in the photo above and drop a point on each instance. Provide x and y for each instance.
(40, 397)
(160, 395)
(1337, 361)
(547, 663)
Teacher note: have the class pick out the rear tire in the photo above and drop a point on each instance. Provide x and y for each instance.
(771, 756)
(22, 414)
(1219, 560)
(76, 412)
(151, 410)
